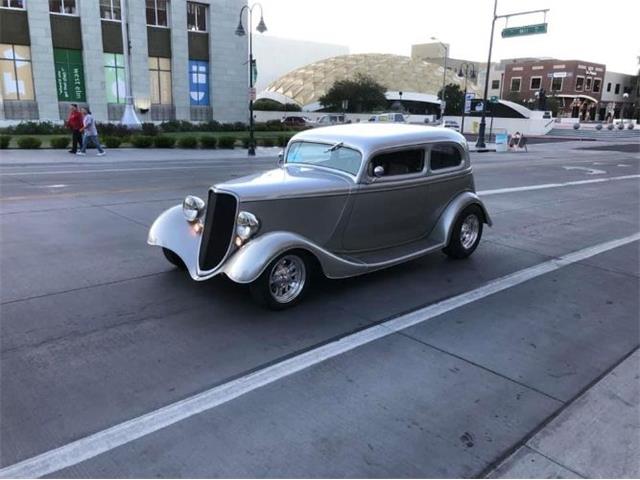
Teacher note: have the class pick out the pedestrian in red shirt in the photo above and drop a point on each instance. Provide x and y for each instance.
(74, 122)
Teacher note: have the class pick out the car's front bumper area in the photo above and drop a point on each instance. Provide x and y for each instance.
(172, 231)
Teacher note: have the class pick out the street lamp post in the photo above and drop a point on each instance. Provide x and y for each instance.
(464, 71)
(129, 117)
(444, 77)
(240, 31)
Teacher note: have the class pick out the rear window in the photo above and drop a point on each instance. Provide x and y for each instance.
(445, 156)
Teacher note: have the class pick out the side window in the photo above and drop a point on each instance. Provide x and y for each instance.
(445, 156)
(402, 162)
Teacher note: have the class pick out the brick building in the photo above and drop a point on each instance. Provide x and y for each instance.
(577, 84)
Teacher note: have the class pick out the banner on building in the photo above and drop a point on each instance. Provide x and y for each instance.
(69, 75)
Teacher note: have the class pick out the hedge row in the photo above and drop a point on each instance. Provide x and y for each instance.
(152, 129)
(158, 141)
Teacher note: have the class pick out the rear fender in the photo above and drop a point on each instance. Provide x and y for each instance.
(442, 231)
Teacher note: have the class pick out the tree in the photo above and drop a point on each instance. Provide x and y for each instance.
(363, 94)
(267, 104)
(454, 98)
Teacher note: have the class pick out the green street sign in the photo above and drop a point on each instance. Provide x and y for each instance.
(524, 30)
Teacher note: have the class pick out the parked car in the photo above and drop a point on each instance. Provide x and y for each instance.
(344, 201)
(296, 121)
(326, 120)
(388, 117)
(452, 124)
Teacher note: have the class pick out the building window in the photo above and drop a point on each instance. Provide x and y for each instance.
(495, 84)
(617, 90)
(158, 13)
(12, 4)
(15, 72)
(556, 84)
(515, 84)
(114, 77)
(69, 75)
(579, 84)
(110, 9)
(587, 86)
(199, 82)
(160, 78)
(609, 87)
(63, 7)
(536, 83)
(196, 17)
(597, 83)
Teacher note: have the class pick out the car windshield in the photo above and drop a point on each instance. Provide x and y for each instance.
(323, 155)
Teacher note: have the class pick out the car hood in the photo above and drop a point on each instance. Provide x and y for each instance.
(287, 182)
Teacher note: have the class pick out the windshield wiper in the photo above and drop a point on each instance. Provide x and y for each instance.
(335, 147)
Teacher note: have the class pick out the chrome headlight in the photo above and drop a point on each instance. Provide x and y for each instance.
(246, 226)
(192, 208)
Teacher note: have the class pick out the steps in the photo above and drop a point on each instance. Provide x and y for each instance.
(593, 134)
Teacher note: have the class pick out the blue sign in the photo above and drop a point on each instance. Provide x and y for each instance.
(199, 82)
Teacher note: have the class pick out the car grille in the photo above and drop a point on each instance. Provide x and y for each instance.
(218, 229)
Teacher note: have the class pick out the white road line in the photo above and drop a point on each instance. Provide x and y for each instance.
(543, 186)
(110, 170)
(126, 432)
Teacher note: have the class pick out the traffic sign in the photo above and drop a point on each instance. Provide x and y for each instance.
(467, 101)
(493, 99)
(524, 30)
(252, 94)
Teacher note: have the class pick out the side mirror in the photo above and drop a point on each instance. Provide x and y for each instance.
(281, 158)
(378, 171)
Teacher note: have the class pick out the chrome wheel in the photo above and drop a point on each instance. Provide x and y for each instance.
(287, 278)
(469, 231)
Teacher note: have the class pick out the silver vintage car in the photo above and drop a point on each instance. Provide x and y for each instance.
(345, 200)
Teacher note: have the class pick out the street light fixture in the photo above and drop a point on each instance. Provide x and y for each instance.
(444, 76)
(467, 70)
(240, 31)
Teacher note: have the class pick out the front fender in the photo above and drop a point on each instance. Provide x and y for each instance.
(172, 231)
(442, 230)
(248, 263)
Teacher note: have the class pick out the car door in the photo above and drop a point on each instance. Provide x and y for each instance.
(388, 210)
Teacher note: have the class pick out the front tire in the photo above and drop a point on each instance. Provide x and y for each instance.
(284, 281)
(466, 233)
(173, 258)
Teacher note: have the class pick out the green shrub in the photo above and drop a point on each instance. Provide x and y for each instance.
(267, 142)
(283, 140)
(227, 142)
(59, 142)
(4, 141)
(208, 141)
(112, 142)
(29, 142)
(149, 128)
(188, 142)
(113, 129)
(142, 141)
(164, 141)
(245, 142)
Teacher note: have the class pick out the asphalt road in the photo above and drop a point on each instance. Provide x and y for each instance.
(98, 329)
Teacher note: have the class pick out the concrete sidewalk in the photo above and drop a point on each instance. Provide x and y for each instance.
(596, 436)
(43, 156)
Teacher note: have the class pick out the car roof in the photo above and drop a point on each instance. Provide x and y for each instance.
(369, 137)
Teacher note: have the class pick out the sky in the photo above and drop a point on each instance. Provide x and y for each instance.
(597, 31)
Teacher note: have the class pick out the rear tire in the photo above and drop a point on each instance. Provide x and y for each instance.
(173, 258)
(466, 233)
(284, 282)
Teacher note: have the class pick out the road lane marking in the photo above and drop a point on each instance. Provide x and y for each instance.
(131, 430)
(590, 171)
(110, 170)
(543, 186)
